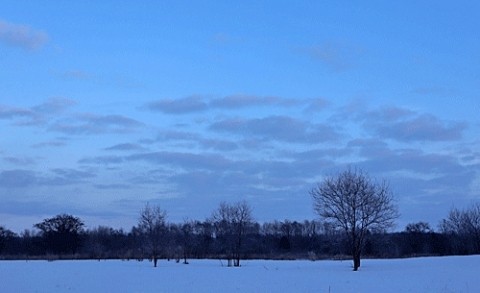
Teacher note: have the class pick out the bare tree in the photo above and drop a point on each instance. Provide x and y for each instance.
(186, 238)
(353, 202)
(152, 225)
(466, 225)
(231, 222)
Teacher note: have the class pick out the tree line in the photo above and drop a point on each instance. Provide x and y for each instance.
(64, 236)
(355, 215)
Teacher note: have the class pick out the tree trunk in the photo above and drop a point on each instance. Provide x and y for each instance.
(155, 260)
(356, 262)
(357, 241)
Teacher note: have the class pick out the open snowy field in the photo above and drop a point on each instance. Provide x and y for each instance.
(435, 274)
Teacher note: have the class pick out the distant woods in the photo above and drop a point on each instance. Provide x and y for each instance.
(355, 213)
(64, 237)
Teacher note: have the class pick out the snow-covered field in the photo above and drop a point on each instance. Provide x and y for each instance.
(435, 274)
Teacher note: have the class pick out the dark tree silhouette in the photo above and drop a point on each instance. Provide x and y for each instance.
(419, 227)
(186, 239)
(152, 225)
(464, 225)
(353, 202)
(5, 236)
(231, 222)
(62, 233)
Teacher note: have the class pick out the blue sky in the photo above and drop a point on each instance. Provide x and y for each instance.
(107, 105)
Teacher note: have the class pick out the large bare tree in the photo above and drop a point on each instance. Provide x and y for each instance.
(355, 203)
(231, 222)
(152, 225)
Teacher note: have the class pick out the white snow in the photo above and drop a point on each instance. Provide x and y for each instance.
(434, 274)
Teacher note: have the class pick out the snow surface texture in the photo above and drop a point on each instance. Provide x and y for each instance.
(435, 274)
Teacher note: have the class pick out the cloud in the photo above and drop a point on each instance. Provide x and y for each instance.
(402, 124)
(434, 91)
(21, 36)
(96, 124)
(194, 104)
(50, 114)
(319, 153)
(177, 137)
(389, 114)
(242, 101)
(182, 160)
(112, 186)
(179, 106)
(54, 106)
(21, 116)
(20, 161)
(335, 56)
(76, 75)
(224, 39)
(102, 160)
(48, 144)
(67, 176)
(37, 115)
(316, 105)
(125, 147)
(280, 128)
(17, 178)
(370, 147)
(117, 81)
(412, 161)
(423, 127)
(21, 178)
(218, 144)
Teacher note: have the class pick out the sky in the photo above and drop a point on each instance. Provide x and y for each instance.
(108, 105)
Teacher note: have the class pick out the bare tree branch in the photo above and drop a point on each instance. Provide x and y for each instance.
(352, 202)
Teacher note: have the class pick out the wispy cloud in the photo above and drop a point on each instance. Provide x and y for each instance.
(242, 101)
(20, 116)
(336, 56)
(48, 144)
(316, 105)
(17, 178)
(401, 124)
(280, 128)
(179, 106)
(224, 39)
(102, 160)
(76, 75)
(23, 36)
(420, 127)
(19, 161)
(434, 91)
(112, 186)
(37, 115)
(22, 178)
(184, 160)
(196, 139)
(125, 147)
(96, 124)
(67, 176)
(193, 104)
(387, 114)
(54, 105)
